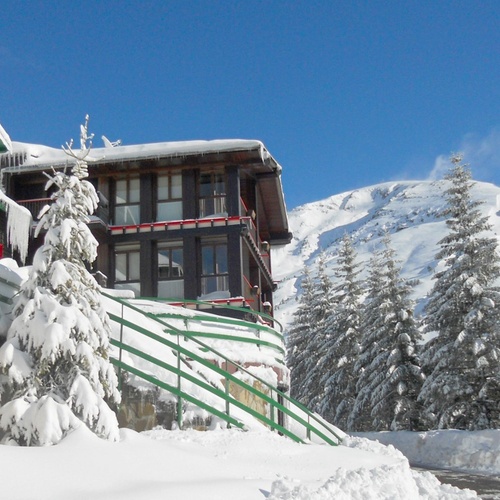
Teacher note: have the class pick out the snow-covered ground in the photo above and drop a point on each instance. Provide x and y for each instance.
(222, 464)
(477, 452)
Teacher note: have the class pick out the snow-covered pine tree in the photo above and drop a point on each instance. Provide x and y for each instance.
(394, 397)
(321, 306)
(462, 389)
(391, 376)
(298, 339)
(342, 345)
(56, 355)
(360, 417)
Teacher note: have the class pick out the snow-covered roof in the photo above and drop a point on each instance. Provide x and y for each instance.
(39, 156)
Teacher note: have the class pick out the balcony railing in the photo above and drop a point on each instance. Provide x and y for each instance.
(261, 246)
(35, 206)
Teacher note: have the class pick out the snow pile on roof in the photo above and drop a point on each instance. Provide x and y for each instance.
(44, 155)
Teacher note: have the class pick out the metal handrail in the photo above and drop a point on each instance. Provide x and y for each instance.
(223, 395)
(221, 306)
(274, 404)
(235, 338)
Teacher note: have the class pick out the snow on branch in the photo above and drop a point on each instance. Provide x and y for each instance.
(80, 169)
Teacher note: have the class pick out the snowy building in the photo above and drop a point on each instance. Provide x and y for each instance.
(182, 220)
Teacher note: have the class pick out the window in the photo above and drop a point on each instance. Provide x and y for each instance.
(212, 194)
(169, 205)
(170, 270)
(127, 268)
(127, 201)
(215, 277)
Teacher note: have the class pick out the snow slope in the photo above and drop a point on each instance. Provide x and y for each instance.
(409, 210)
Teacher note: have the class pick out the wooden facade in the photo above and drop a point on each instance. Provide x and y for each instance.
(187, 220)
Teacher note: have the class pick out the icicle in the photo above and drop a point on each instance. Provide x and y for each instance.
(18, 226)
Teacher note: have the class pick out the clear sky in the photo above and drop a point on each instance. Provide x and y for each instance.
(344, 93)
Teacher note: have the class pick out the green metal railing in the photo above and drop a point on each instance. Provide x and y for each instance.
(205, 305)
(311, 423)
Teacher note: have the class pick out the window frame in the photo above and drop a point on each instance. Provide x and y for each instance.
(128, 202)
(133, 269)
(170, 194)
(214, 275)
(218, 198)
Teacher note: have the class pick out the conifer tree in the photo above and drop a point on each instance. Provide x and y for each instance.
(320, 310)
(298, 340)
(342, 345)
(462, 389)
(360, 417)
(391, 378)
(394, 397)
(56, 355)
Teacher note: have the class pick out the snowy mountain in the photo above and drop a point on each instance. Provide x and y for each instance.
(408, 210)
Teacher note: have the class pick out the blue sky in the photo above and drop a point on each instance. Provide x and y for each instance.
(343, 93)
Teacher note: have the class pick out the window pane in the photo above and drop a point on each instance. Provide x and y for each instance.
(207, 260)
(134, 264)
(171, 210)
(121, 267)
(164, 264)
(127, 214)
(206, 185)
(134, 193)
(173, 289)
(177, 262)
(208, 285)
(221, 256)
(219, 187)
(213, 284)
(163, 187)
(121, 191)
(176, 186)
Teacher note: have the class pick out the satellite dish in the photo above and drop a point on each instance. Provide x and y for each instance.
(109, 144)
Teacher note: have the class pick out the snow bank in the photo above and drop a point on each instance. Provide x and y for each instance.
(477, 451)
(216, 465)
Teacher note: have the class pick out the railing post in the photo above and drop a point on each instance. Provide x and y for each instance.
(179, 399)
(226, 383)
(271, 413)
(120, 356)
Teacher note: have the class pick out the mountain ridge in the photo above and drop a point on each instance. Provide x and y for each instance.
(409, 210)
